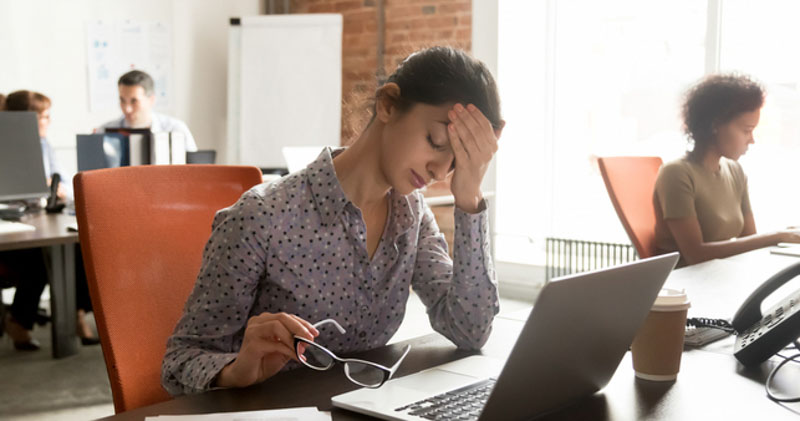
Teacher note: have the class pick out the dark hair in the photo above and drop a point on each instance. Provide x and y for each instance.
(138, 78)
(2, 102)
(27, 101)
(716, 100)
(439, 75)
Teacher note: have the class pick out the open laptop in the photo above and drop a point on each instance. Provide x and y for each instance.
(571, 344)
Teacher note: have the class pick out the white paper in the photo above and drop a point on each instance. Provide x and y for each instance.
(290, 414)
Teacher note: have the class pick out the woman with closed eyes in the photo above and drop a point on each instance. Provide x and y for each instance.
(346, 237)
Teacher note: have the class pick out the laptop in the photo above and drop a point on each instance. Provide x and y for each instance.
(569, 348)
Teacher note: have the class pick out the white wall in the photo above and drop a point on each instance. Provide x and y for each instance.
(43, 48)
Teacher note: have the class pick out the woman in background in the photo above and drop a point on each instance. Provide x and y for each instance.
(28, 267)
(701, 200)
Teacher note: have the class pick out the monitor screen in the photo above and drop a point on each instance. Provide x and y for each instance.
(22, 173)
(102, 150)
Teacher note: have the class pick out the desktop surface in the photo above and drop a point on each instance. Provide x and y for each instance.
(50, 229)
(711, 383)
(732, 392)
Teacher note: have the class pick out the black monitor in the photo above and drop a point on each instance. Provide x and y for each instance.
(22, 174)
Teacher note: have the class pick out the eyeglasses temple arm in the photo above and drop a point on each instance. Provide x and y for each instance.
(330, 321)
(397, 364)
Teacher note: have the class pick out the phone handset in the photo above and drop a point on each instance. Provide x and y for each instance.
(750, 311)
(53, 206)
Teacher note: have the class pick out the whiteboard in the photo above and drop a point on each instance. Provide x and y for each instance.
(285, 86)
(114, 48)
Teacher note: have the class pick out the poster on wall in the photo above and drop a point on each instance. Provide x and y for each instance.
(116, 47)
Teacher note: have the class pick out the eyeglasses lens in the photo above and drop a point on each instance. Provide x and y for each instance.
(363, 373)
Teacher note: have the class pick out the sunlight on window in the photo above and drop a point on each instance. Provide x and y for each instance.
(760, 39)
(581, 79)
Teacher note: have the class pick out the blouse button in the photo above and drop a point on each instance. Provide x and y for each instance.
(364, 309)
(362, 334)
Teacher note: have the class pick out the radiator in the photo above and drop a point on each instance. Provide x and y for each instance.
(566, 256)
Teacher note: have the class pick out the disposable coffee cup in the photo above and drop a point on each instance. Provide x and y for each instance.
(658, 344)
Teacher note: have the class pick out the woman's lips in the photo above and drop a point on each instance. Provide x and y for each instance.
(418, 181)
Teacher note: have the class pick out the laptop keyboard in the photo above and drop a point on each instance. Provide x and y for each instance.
(464, 403)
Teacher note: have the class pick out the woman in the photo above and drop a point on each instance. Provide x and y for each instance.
(28, 263)
(702, 203)
(344, 238)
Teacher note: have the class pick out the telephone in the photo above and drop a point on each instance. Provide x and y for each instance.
(761, 337)
(53, 205)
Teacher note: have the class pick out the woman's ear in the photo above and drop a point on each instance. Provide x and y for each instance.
(385, 101)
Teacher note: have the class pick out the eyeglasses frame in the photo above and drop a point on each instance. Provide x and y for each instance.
(388, 372)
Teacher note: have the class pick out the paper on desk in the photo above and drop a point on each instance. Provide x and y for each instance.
(786, 249)
(290, 414)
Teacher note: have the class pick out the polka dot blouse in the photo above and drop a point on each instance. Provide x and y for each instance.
(298, 245)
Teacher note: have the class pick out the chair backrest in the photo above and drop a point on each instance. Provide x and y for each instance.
(630, 182)
(142, 232)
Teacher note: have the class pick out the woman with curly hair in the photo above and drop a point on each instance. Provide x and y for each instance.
(701, 200)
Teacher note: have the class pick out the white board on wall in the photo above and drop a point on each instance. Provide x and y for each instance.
(114, 48)
(284, 86)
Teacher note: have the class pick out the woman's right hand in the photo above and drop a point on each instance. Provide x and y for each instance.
(267, 346)
(790, 235)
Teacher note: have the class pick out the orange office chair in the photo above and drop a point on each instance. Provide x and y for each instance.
(630, 182)
(142, 232)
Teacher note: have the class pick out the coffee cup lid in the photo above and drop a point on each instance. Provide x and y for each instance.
(670, 299)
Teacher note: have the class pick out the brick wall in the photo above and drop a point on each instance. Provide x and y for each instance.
(409, 25)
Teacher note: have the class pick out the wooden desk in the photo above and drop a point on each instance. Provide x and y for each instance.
(711, 385)
(51, 233)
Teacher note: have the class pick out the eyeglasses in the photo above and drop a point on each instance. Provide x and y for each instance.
(360, 372)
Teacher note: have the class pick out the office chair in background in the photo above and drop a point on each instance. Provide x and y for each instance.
(142, 232)
(630, 182)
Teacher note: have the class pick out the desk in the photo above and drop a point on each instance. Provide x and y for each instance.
(51, 232)
(712, 385)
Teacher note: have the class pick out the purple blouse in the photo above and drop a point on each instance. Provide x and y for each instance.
(298, 245)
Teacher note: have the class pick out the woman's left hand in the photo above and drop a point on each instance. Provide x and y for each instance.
(474, 143)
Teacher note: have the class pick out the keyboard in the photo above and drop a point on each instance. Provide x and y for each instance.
(465, 403)
(10, 227)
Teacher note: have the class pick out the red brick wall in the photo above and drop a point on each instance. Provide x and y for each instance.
(409, 25)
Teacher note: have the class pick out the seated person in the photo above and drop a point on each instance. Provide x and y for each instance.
(27, 266)
(701, 200)
(136, 99)
(345, 237)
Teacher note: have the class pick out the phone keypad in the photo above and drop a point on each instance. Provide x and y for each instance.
(769, 344)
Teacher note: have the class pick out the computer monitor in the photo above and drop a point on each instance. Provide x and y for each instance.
(22, 175)
(208, 156)
(102, 150)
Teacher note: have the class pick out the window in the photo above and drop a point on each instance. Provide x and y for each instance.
(760, 39)
(581, 79)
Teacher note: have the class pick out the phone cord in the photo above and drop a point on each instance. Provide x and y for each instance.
(720, 324)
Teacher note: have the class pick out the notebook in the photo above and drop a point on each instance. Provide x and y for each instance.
(571, 344)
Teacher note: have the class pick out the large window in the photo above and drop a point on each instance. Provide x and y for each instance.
(759, 39)
(581, 79)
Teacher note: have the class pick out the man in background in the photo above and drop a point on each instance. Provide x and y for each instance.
(136, 99)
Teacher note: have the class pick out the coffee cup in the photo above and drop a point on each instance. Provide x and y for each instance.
(658, 344)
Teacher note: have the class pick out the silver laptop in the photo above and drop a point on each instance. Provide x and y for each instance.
(571, 344)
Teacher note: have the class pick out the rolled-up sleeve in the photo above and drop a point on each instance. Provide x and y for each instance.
(209, 334)
(460, 294)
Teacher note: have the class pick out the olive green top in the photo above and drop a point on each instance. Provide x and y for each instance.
(718, 199)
